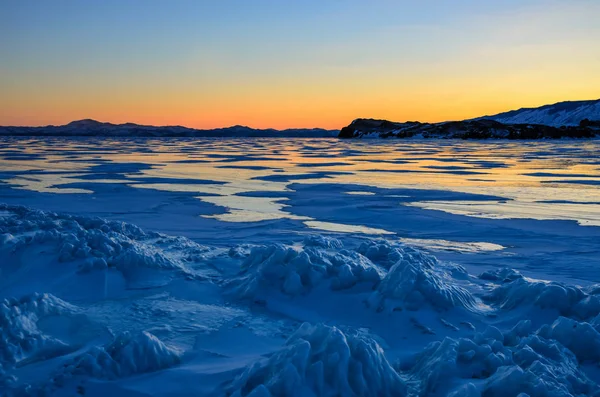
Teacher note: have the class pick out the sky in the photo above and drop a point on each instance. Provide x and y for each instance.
(280, 64)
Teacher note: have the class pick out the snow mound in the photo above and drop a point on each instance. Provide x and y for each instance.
(570, 301)
(381, 252)
(441, 363)
(126, 355)
(318, 360)
(541, 368)
(504, 275)
(95, 244)
(318, 240)
(418, 279)
(581, 338)
(296, 270)
(533, 365)
(20, 338)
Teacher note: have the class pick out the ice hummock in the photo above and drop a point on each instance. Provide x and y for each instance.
(319, 360)
(20, 338)
(128, 354)
(79, 245)
(496, 334)
(531, 364)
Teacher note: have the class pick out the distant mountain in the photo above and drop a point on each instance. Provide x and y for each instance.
(90, 127)
(575, 119)
(569, 113)
(468, 129)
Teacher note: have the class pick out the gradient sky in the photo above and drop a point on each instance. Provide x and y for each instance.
(283, 63)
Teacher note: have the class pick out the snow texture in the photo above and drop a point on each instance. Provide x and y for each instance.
(126, 355)
(558, 114)
(497, 334)
(295, 271)
(318, 360)
(20, 338)
(96, 244)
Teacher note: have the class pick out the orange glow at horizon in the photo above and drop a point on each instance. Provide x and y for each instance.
(292, 65)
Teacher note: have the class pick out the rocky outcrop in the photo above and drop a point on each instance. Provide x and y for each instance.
(468, 129)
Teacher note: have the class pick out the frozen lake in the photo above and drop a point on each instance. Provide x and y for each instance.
(515, 228)
(519, 203)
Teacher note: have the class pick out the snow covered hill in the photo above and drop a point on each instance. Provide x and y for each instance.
(468, 129)
(90, 127)
(569, 113)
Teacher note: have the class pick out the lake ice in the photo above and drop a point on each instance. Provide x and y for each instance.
(301, 267)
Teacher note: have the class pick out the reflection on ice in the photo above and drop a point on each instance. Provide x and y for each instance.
(583, 213)
(341, 228)
(445, 245)
(226, 172)
(250, 209)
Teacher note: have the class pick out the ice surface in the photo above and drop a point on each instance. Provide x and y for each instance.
(395, 299)
(544, 356)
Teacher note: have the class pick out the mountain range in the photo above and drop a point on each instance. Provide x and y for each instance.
(574, 119)
(88, 127)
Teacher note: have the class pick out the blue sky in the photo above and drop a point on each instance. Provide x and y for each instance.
(291, 63)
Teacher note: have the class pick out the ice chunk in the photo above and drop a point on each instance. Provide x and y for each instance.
(294, 270)
(503, 275)
(318, 360)
(568, 300)
(536, 366)
(416, 280)
(95, 244)
(20, 338)
(318, 240)
(581, 338)
(381, 252)
(126, 355)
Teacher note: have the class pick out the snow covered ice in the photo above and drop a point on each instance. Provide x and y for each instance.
(302, 268)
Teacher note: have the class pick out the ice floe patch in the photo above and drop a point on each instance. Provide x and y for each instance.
(457, 246)
(361, 193)
(343, 228)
